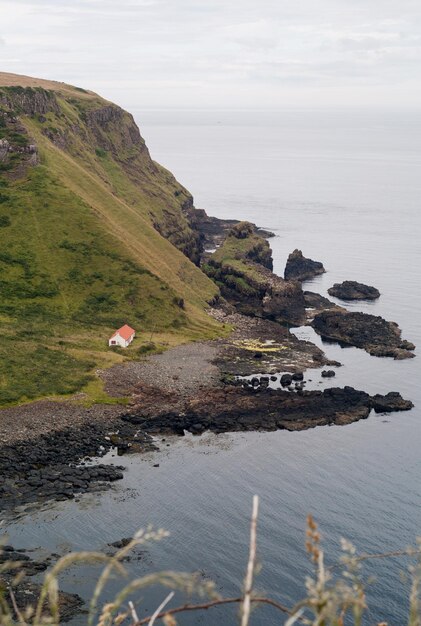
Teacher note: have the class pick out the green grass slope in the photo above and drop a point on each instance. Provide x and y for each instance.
(81, 249)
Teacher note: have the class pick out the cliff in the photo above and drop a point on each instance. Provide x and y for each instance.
(94, 234)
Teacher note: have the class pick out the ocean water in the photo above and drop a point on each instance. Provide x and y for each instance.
(345, 187)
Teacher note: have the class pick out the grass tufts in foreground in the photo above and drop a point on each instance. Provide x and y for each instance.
(334, 595)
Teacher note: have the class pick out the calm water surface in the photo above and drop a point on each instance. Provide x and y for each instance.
(346, 189)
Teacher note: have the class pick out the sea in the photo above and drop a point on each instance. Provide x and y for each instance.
(345, 188)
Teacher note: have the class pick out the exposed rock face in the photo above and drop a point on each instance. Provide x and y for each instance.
(107, 130)
(214, 230)
(28, 100)
(17, 149)
(372, 333)
(284, 301)
(235, 408)
(300, 268)
(351, 290)
(256, 292)
(4, 149)
(315, 303)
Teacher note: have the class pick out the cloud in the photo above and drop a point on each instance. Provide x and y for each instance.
(143, 52)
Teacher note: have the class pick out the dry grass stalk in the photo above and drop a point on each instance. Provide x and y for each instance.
(330, 601)
(160, 608)
(248, 583)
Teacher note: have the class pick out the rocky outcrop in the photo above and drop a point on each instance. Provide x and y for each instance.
(237, 408)
(242, 268)
(214, 230)
(29, 100)
(17, 150)
(352, 290)
(372, 333)
(284, 301)
(4, 149)
(315, 303)
(300, 268)
(260, 252)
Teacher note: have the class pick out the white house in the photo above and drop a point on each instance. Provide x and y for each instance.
(122, 337)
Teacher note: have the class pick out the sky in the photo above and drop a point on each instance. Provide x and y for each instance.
(221, 53)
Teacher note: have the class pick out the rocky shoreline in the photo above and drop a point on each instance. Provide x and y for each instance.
(245, 408)
(52, 450)
(66, 462)
(17, 566)
(194, 387)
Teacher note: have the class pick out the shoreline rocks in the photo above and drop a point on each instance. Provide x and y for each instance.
(298, 267)
(52, 466)
(26, 593)
(245, 408)
(352, 290)
(372, 333)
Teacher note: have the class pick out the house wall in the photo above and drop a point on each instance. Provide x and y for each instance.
(119, 341)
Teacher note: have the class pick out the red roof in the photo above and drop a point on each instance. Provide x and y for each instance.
(125, 332)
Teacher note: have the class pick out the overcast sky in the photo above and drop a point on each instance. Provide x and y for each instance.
(221, 53)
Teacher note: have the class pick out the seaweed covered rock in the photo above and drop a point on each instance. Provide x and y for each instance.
(300, 268)
(352, 290)
(372, 333)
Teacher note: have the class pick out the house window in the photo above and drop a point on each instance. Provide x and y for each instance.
(113, 343)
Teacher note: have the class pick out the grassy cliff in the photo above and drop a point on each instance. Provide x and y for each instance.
(93, 234)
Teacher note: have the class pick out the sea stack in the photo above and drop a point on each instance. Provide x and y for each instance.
(300, 268)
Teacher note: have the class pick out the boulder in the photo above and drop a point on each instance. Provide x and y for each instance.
(352, 290)
(286, 379)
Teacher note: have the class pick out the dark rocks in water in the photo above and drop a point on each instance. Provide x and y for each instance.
(47, 467)
(242, 409)
(300, 268)
(392, 401)
(24, 564)
(286, 379)
(328, 374)
(352, 290)
(298, 376)
(372, 333)
(121, 543)
(26, 594)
